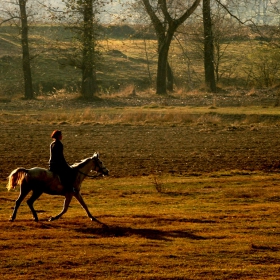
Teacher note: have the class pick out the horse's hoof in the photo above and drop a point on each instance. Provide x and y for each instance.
(50, 219)
(11, 220)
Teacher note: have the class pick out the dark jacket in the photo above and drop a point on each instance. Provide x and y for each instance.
(58, 164)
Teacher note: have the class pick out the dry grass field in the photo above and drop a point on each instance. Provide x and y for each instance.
(192, 193)
(217, 227)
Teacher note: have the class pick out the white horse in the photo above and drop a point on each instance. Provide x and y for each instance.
(41, 180)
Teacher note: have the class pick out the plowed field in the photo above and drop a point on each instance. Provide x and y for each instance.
(129, 150)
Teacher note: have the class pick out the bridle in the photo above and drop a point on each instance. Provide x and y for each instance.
(90, 176)
(93, 176)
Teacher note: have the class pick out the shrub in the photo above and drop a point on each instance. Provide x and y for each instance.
(264, 64)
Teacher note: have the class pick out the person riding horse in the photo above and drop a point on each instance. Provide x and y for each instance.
(58, 164)
(40, 180)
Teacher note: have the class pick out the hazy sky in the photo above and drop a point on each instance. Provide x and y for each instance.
(111, 11)
(115, 11)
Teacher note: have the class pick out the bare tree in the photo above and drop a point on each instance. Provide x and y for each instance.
(210, 81)
(26, 67)
(89, 87)
(165, 22)
(28, 88)
(79, 17)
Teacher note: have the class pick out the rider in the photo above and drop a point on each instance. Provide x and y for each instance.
(57, 162)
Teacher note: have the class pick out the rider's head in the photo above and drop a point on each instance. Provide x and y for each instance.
(56, 134)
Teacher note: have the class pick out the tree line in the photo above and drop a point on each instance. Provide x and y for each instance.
(166, 19)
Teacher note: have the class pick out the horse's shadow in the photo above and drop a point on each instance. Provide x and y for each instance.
(153, 234)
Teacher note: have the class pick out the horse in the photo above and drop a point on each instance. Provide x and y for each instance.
(40, 180)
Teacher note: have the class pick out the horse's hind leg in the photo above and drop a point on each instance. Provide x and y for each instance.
(24, 190)
(30, 201)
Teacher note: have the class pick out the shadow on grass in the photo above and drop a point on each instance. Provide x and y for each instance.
(109, 231)
(140, 232)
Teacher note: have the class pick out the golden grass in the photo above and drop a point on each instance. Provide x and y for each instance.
(154, 114)
(219, 226)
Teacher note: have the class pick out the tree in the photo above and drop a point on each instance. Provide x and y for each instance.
(224, 31)
(79, 17)
(89, 87)
(28, 88)
(26, 67)
(209, 70)
(211, 40)
(165, 22)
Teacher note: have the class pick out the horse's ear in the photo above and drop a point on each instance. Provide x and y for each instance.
(96, 154)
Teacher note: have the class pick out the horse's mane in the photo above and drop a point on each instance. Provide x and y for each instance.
(80, 164)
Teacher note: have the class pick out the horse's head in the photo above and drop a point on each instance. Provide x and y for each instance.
(99, 167)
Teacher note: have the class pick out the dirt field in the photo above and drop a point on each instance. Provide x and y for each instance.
(140, 150)
(134, 151)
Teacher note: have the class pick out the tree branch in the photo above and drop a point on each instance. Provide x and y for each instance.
(6, 20)
(232, 15)
(163, 7)
(156, 21)
(189, 11)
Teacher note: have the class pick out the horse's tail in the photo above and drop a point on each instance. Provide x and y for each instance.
(16, 177)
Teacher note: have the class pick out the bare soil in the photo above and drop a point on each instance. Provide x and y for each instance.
(139, 150)
(134, 151)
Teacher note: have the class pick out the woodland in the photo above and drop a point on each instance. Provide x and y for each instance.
(163, 47)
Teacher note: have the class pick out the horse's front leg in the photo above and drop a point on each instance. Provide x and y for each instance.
(67, 200)
(82, 202)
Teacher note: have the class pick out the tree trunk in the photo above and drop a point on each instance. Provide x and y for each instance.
(164, 68)
(208, 48)
(170, 78)
(163, 64)
(88, 68)
(28, 88)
